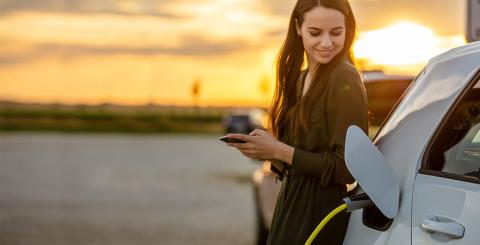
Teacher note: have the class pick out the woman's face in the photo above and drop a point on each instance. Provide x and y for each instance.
(323, 34)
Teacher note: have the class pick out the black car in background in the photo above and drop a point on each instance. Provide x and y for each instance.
(383, 91)
(244, 121)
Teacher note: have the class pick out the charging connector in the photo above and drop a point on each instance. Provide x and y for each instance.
(357, 201)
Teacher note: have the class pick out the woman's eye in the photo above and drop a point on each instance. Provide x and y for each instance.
(314, 34)
(336, 33)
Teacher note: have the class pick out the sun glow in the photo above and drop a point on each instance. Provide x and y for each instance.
(403, 43)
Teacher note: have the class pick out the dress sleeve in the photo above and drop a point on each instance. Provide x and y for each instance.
(346, 105)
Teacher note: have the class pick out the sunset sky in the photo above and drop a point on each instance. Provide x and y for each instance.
(146, 51)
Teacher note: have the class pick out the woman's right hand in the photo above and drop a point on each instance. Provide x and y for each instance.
(261, 145)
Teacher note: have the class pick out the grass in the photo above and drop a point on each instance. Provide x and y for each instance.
(63, 118)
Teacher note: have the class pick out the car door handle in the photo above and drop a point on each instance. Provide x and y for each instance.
(451, 228)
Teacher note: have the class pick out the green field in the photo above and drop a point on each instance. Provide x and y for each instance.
(111, 118)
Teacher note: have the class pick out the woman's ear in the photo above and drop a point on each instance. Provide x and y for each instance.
(297, 28)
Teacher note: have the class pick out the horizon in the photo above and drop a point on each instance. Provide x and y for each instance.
(108, 104)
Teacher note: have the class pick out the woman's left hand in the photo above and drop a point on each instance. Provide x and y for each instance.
(260, 145)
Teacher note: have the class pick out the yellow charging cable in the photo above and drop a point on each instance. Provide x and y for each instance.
(324, 222)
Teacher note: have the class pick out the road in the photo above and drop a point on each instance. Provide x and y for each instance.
(123, 189)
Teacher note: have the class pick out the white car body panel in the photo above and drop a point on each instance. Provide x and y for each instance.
(404, 138)
(456, 200)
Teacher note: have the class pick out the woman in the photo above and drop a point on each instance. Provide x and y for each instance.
(310, 114)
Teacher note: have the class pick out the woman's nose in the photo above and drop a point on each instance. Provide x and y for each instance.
(326, 41)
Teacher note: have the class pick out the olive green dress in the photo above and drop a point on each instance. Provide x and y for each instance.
(314, 184)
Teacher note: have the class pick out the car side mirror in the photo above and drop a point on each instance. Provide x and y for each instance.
(372, 172)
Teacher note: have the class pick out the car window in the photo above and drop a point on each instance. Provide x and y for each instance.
(464, 157)
(456, 149)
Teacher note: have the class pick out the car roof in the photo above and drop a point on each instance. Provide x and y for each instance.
(246, 111)
(465, 50)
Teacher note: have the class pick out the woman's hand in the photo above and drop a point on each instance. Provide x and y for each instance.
(262, 146)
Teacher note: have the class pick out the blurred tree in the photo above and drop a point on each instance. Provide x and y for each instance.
(196, 91)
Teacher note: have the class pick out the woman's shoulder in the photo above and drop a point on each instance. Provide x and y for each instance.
(346, 72)
(345, 77)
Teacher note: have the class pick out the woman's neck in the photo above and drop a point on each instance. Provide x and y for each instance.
(307, 82)
(311, 68)
(312, 64)
(311, 71)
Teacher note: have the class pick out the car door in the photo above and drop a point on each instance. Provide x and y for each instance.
(446, 196)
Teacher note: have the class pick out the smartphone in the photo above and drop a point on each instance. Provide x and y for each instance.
(231, 140)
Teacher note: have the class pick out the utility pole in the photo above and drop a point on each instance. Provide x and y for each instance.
(473, 21)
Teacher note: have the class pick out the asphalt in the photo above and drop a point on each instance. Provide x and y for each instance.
(123, 189)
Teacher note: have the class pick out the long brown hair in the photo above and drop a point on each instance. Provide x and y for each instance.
(289, 64)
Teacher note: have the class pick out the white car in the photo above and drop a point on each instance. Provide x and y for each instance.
(431, 143)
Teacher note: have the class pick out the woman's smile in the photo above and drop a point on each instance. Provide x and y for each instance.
(323, 52)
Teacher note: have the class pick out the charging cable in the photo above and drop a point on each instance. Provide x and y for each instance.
(351, 204)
